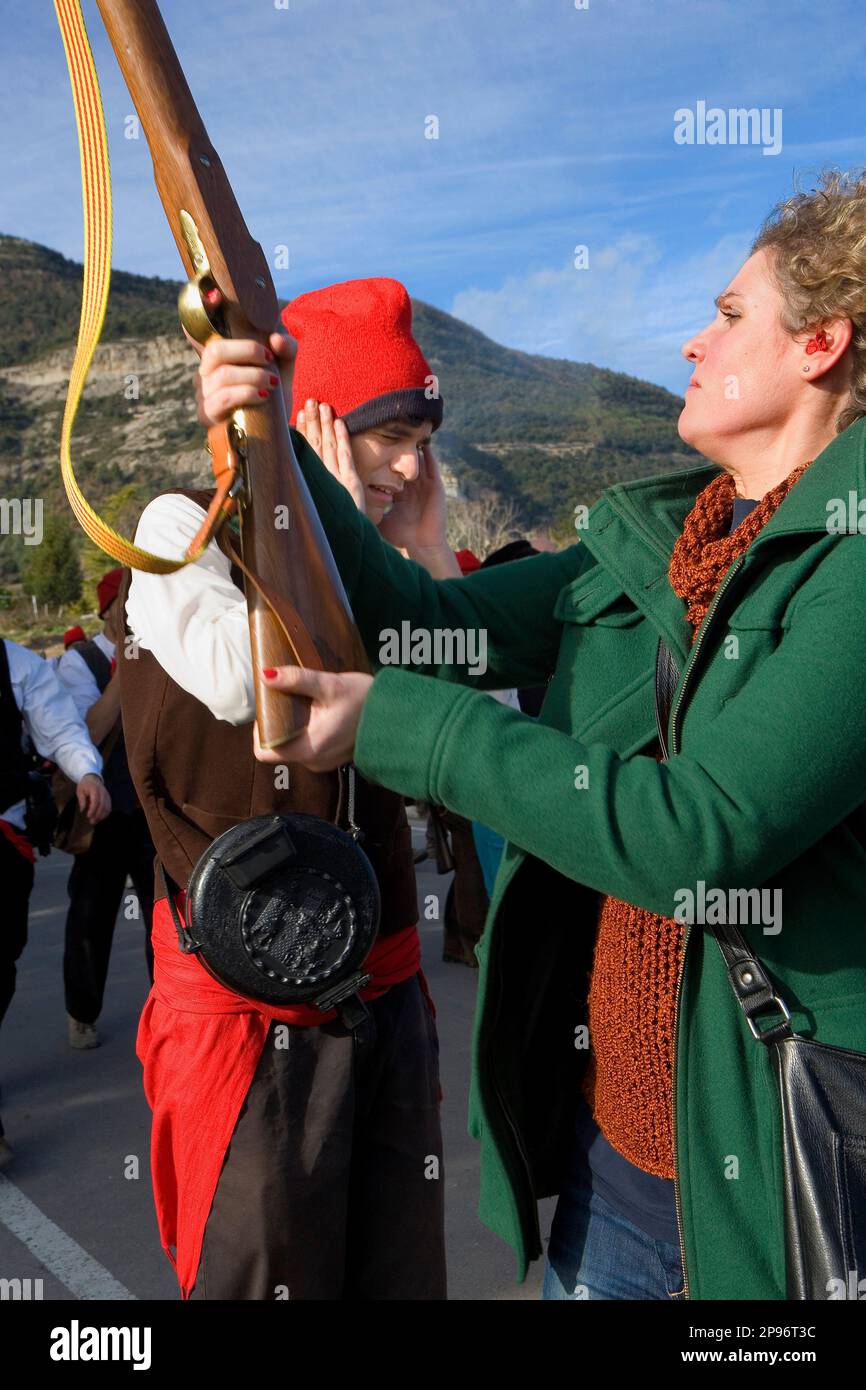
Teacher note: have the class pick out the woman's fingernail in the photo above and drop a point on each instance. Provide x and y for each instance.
(273, 380)
(269, 672)
(269, 356)
(264, 395)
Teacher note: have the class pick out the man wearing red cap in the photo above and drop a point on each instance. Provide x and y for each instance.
(345, 349)
(367, 401)
(121, 844)
(313, 1170)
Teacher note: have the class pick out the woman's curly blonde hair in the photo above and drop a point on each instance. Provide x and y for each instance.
(818, 241)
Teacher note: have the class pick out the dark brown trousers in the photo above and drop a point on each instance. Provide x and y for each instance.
(467, 904)
(332, 1187)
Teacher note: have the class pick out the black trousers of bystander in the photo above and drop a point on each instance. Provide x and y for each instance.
(121, 845)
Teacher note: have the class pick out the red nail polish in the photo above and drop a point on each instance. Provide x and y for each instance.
(264, 395)
(273, 380)
(269, 356)
(269, 672)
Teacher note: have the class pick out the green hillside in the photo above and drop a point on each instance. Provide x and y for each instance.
(545, 433)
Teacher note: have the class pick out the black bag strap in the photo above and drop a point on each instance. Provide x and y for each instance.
(99, 666)
(752, 987)
(95, 660)
(185, 939)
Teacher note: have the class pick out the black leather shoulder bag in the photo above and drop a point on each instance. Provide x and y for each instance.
(822, 1093)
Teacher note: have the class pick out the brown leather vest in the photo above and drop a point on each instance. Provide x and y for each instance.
(196, 776)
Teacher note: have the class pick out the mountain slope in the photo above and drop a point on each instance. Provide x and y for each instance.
(544, 432)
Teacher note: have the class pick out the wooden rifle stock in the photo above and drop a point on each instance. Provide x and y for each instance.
(298, 610)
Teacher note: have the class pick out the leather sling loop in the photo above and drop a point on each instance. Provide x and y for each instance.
(96, 193)
(286, 614)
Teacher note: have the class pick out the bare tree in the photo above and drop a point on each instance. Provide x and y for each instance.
(482, 523)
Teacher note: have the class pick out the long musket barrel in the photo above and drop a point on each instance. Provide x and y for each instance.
(297, 592)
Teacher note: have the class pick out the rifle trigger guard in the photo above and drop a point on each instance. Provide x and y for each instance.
(199, 321)
(237, 435)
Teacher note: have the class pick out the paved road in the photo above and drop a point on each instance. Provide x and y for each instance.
(76, 1209)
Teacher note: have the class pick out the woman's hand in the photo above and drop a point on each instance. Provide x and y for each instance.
(329, 738)
(416, 522)
(237, 372)
(328, 436)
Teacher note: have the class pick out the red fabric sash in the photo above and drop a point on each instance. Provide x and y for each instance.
(199, 1045)
(21, 843)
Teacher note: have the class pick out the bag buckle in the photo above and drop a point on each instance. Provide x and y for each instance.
(337, 994)
(768, 1035)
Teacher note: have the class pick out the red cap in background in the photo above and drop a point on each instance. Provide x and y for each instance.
(467, 560)
(107, 589)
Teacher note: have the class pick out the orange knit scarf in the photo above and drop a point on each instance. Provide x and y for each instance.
(638, 954)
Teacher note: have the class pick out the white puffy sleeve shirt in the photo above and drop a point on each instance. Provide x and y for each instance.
(194, 620)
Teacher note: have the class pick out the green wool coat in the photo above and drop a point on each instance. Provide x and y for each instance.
(764, 788)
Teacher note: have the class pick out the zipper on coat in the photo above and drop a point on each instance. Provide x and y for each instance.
(515, 1133)
(696, 647)
(677, 1203)
(693, 655)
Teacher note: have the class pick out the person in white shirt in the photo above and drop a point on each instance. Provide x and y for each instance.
(31, 694)
(120, 846)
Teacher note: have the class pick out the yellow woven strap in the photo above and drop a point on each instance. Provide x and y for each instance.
(96, 192)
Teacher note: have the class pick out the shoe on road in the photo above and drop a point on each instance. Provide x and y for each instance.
(81, 1035)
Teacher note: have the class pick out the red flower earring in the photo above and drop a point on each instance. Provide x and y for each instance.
(818, 343)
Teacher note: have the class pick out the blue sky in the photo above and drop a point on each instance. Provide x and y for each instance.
(556, 129)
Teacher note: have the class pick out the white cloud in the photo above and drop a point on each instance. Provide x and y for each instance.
(556, 128)
(631, 310)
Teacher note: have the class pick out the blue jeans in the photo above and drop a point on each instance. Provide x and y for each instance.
(488, 846)
(594, 1252)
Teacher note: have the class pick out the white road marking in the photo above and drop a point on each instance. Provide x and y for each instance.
(79, 1272)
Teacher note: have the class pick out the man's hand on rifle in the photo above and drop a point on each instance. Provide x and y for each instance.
(416, 524)
(328, 436)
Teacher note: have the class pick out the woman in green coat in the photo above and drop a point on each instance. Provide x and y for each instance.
(611, 1063)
